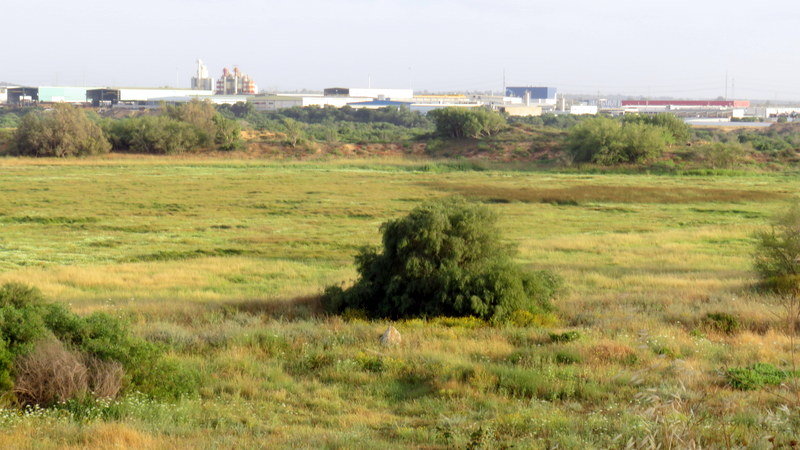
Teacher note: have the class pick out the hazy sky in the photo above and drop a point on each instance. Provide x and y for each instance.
(678, 47)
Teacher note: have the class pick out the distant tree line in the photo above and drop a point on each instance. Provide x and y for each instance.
(199, 126)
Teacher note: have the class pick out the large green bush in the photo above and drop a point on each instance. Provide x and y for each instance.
(62, 131)
(472, 123)
(607, 141)
(445, 258)
(676, 128)
(154, 134)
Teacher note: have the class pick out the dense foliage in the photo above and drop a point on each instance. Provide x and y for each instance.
(181, 128)
(607, 141)
(62, 131)
(455, 122)
(676, 128)
(445, 258)
(401, 117)
(26, 321)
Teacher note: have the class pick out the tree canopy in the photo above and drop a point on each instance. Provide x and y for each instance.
(444, 258)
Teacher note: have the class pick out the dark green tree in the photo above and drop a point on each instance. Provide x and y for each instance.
(445, 258)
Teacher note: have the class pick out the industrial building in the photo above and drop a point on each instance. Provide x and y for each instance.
(533, 95)
(139, 96)
(46, 94)
(377, 104)
(686, 104)
(520, 110)
(201, 81)
(235, 83)
(375, 93)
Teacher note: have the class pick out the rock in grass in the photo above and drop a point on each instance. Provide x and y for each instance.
(391, 337)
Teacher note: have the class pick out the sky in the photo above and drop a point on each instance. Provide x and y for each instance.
(678, 48)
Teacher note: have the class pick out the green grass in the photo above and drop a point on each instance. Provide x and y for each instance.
(220, 261)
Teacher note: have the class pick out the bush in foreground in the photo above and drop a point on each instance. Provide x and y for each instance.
(445, 258)
(49, 354)
(62, 131)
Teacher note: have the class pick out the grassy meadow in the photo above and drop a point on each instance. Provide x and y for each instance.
(221, 261)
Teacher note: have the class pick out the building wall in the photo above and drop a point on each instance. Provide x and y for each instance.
(580, 110)
(338, 102)
(63, 94)
(143, 94)
(521, 110)
(425, 108)
(3, 95)
(394, 94)
(536, 92)
(274, 103)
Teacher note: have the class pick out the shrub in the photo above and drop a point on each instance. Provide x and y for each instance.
(756, 376)
(721, 322)
(606, 141)
(719, 155)
(677, 129)
(63, 131)
(169, 379)
(18, 295)
(180, 128)
(50, 374)
(472, 123)
(154, 134)
(35, 332)
(445, 258)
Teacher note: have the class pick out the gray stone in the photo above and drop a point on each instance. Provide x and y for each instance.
(391, 337)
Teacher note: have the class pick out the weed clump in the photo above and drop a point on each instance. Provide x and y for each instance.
(444, 259)
(756, 376)
(721, 322)
(567, 336)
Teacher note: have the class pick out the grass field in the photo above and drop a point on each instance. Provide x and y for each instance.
(221, 260)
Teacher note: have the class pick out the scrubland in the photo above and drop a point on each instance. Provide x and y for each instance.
(222, 262)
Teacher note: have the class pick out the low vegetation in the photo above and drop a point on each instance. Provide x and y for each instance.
(654, 340)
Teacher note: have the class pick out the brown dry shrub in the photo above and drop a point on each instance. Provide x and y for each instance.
(50, 374)
(105, 377)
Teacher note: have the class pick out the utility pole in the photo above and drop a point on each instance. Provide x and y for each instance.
(504, 82)
(726, 85)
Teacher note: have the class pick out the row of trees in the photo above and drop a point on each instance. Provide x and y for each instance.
(69, 131)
